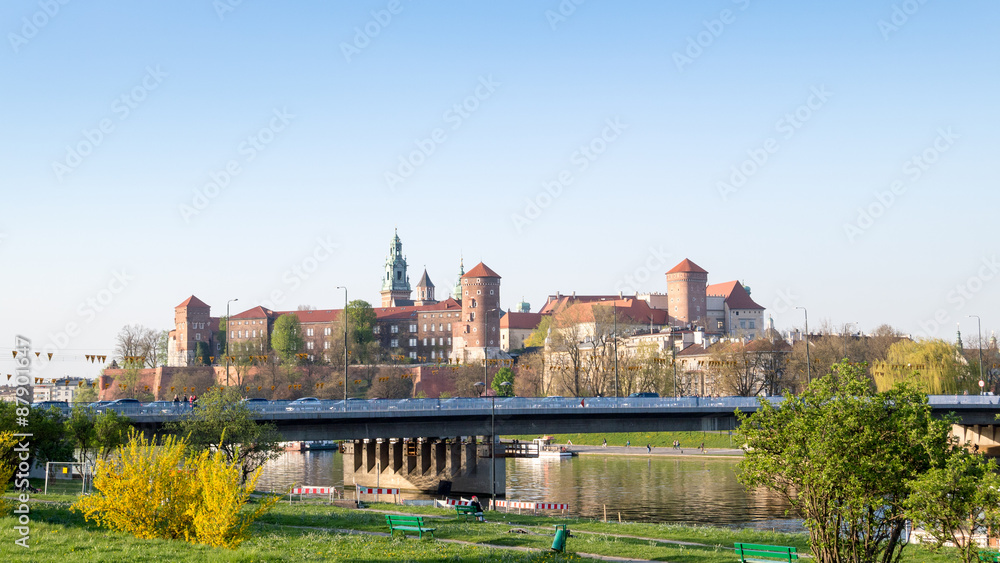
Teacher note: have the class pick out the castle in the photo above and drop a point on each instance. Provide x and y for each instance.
(468, 325)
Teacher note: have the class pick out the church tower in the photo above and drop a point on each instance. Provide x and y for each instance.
(395, 282)
(456, 292)
(425, 291)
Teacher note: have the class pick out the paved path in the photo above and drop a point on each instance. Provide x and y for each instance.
(641, 451)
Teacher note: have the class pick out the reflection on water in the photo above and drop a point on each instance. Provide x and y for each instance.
(656, 489)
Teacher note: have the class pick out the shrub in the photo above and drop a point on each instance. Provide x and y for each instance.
(7, 469)
(162, 491)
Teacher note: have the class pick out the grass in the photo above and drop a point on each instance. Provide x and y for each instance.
(640, 439)
(307, 532)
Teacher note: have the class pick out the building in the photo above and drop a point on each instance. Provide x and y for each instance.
(58, 389)
(395, 281)
(516, 327)
(686, 283)
(477, 334)
(193, 325)
(732, 312)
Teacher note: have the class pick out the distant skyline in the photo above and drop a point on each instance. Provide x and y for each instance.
(833, 156)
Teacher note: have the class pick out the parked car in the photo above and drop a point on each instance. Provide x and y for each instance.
(125, 405)
(305, 404)
(100, 406)
(256, 404)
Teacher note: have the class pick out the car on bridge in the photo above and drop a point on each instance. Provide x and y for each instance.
(305, 404)
(125, 406)
(256, 404)
(162, 407)
(46, 405)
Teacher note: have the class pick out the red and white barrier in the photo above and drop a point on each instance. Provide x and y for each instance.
(330, 492)
(523, 505)
(376, 491)
(457, 502)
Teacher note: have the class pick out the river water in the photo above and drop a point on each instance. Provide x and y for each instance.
(670, 489)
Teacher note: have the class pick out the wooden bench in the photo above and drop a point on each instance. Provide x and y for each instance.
(757, 553)
(407, 524)
(468, 511)
(989, 556)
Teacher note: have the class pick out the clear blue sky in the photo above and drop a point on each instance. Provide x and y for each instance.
(502, 96)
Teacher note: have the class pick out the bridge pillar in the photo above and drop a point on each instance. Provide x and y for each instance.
(422, 464)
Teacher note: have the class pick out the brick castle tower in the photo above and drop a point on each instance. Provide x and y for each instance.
(192, 324)
(425, 291)
(478, 334)
(686, 284)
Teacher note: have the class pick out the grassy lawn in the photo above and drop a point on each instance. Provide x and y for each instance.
(293, 533)
(640, 439)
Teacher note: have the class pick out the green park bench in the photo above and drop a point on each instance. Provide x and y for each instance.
(467, 511)
(407, 524)
(989, 556)
(757, 553)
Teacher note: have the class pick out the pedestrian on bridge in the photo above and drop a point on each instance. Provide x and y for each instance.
(649, 449)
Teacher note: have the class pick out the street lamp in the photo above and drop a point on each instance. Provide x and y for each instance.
(808, 363)
(493, 439)
(227, 338)
(345, 343)
(979, 325)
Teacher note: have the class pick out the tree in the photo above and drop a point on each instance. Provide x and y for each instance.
(934, 366)
(391, 383)
(224, 422)
(85, 394)
(110, 431)
(139, 341)
(566, 359)
(537, 337)
(842, 455)
(531, 380)
(49, 441)
(360, 329)
(80, 429)
(503, 375)
(286, 337)
(953, 502)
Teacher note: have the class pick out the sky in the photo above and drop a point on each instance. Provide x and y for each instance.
(838, 157)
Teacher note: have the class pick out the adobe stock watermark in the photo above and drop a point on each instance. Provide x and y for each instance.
(563, 11)
(455, 116)
(32, 26)
(122, 107)
(248, 149)
(913, 169)
(786, 127)
(655, 261)
(714, 28)
(900, 16)
(225, 7)
(363, 35)
(305, 268)
(581, 159)
(961, 295)
(88, 310)
(22, 410)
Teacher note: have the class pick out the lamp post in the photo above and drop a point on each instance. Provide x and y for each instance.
(979, 326)
(614, 309)
(227, 338)
(808, 363)
(345, 343)
(493, 438)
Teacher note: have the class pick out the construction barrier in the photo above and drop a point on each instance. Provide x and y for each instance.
(457, 502)
(375, 491)
(532, 506)
(330, 492)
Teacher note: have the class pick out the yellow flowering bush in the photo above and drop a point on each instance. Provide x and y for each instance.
(7, 469)
(161, 491)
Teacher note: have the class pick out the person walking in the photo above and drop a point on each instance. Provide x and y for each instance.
(649, 449)
(605, 444)
(628, 443)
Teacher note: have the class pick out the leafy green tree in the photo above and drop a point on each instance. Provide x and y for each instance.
(360, 329)
(201, 351)
(80, 429)
(49, 441)
(503, 375)
(85, 394)
(286, 337)
(843, 455)
(952, 502)
(224, 422)
(110, 431)
(933, 366)
(537, 337)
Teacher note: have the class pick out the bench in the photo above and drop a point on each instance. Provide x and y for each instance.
(989, 556)
(468, 511)
(407, 524)
(757, 553)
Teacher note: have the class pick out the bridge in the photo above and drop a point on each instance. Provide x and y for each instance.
(419, 443)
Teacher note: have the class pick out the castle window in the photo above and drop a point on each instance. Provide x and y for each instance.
(479, 292)
(449, 341)
(394, 343)
(449, 327)
(197, 336)
(232, 334)
(432, 354)
(394, 329)
(413, 355)
(413, 328)
(413, 342)
(240, 332)
(309, 345)
(309, 332)
(255, 334)
(491, 292)
(375, 329)
(425, 342)
(326, 331)
(326, 345)
(475, 329)
(425, 326)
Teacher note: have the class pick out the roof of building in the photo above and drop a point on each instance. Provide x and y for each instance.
(424, 280)
(314, 315)
(736, 296)
(556, 303)
(388, 313)
(520, 320)
(257, 312)
(630, 310)
(687, 266)
(481, 271)
(193, 302)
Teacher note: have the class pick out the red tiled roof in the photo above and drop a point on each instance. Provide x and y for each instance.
(314, 316)
(257, 312)
(630, 309)
(411, 310)
(481, 271)
(193, 302)
(687, 266)
(521, 320)
(736, 296)
(554, 305)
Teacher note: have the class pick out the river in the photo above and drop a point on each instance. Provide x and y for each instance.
(667, 489)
